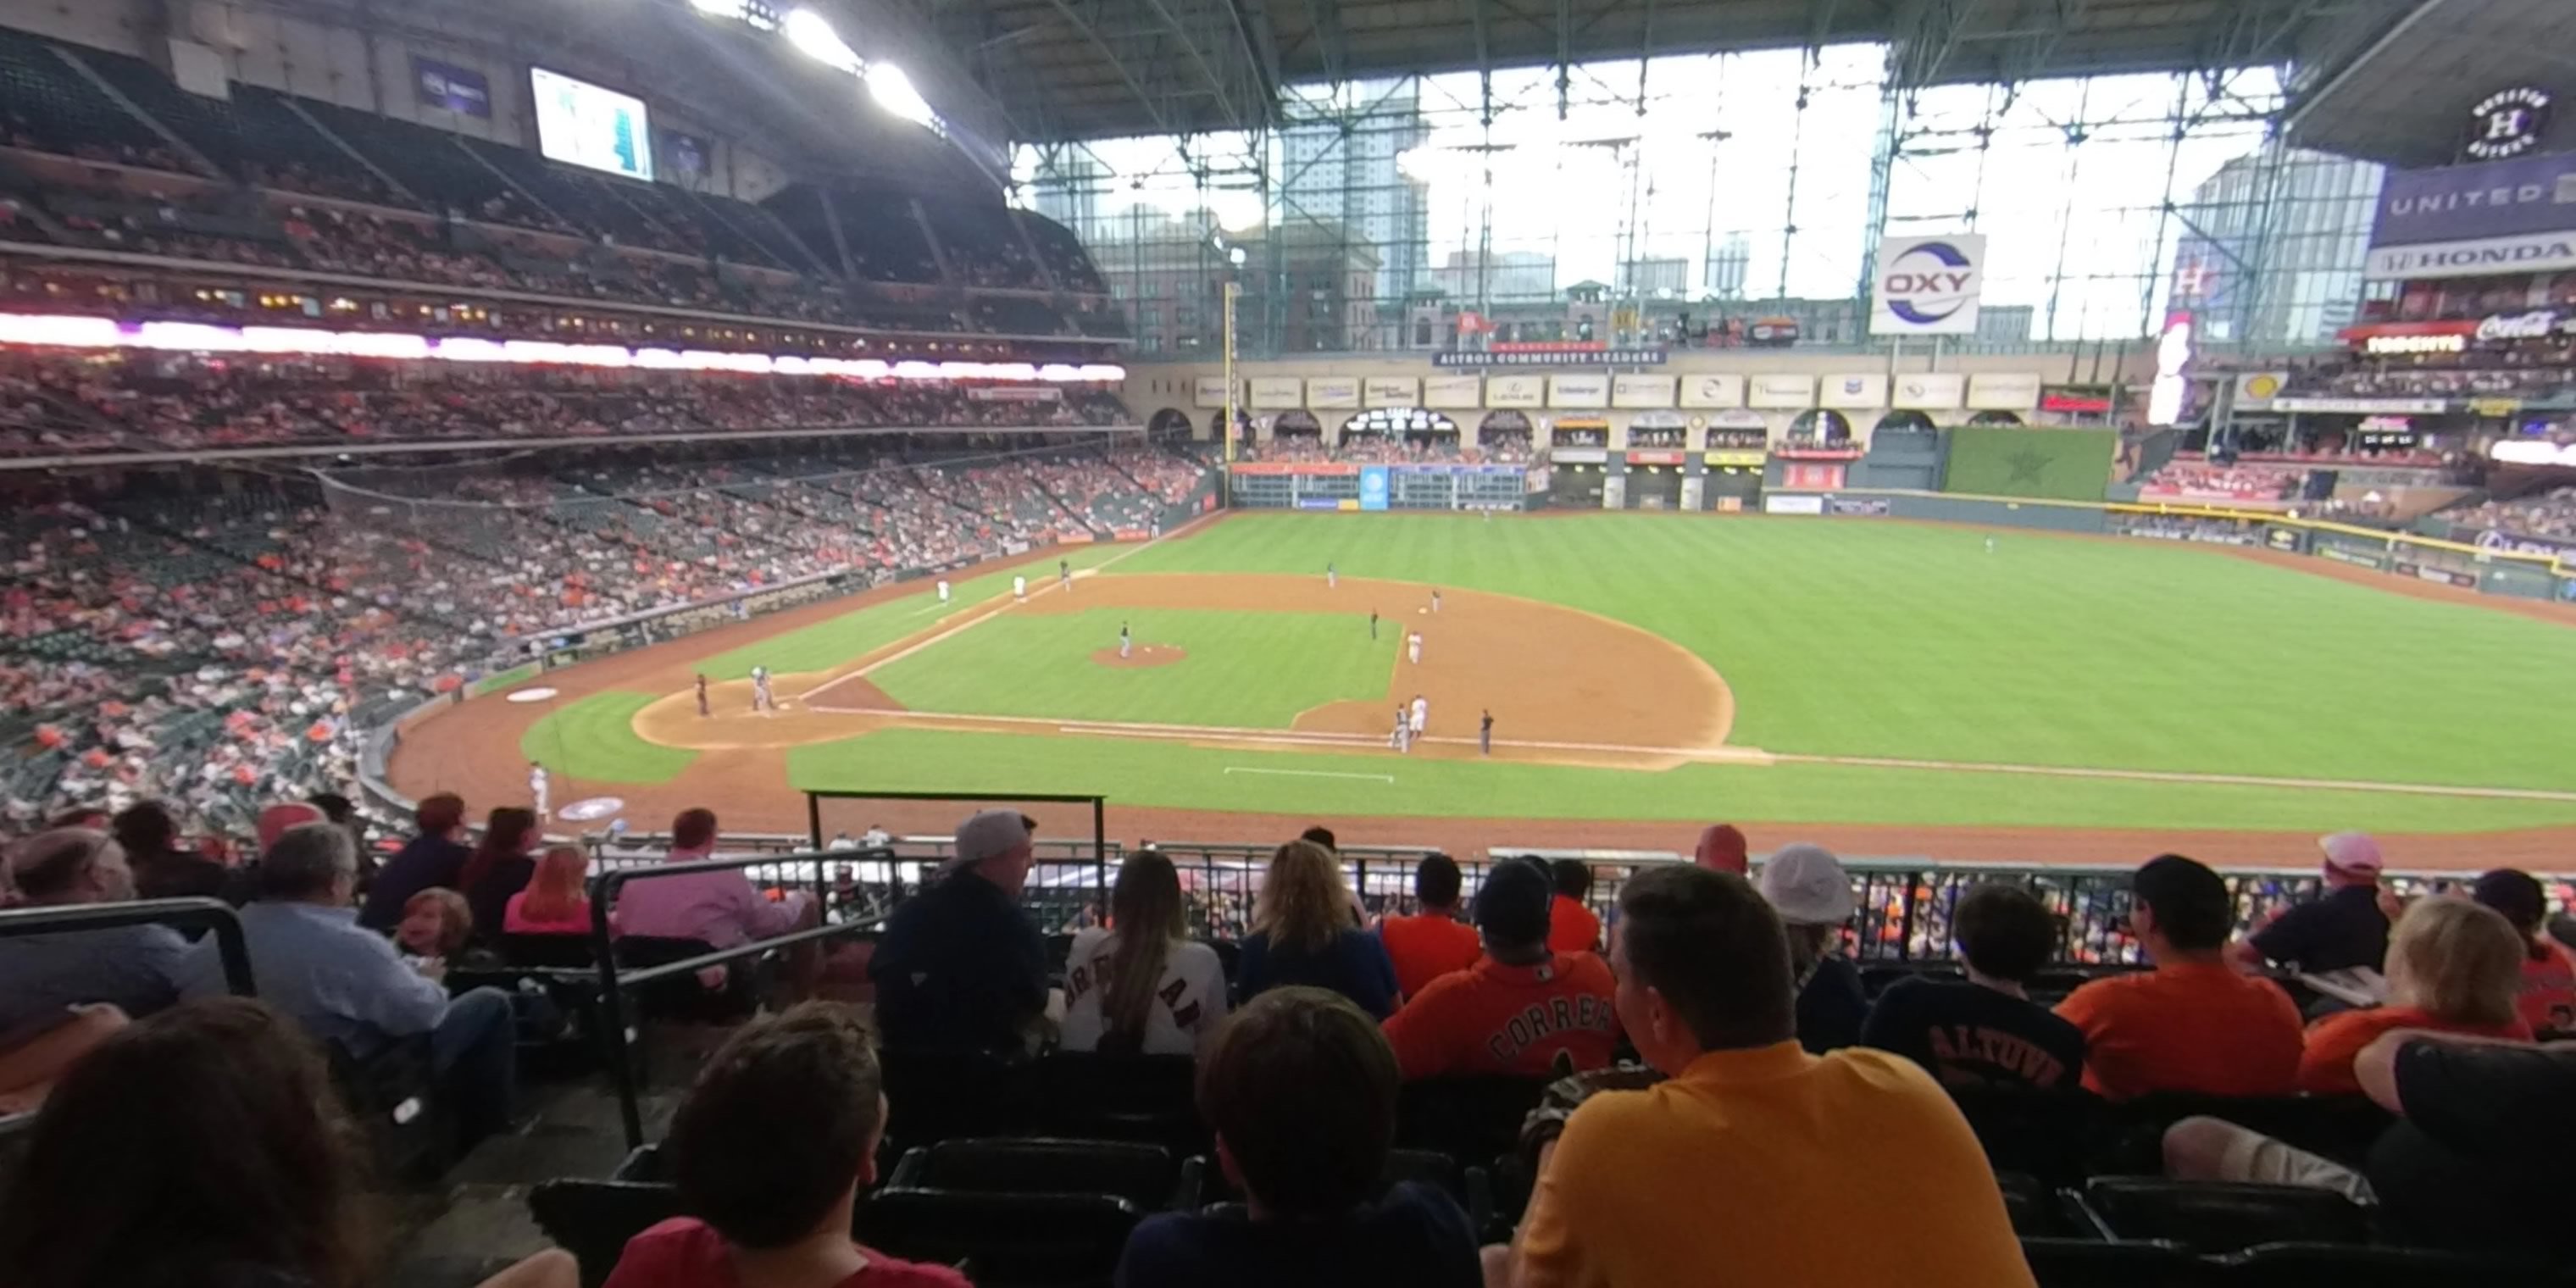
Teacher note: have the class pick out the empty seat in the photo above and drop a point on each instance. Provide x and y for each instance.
(1013, 1240)
(1471, 1119)
(1150, 1098)
(592, 1220)
(1145, 1175)
(2087, 1263)
(2210, 1216)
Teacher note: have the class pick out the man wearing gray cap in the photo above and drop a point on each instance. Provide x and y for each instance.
(960, 967)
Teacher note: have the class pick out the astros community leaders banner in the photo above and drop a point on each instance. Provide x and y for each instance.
(1927, 285)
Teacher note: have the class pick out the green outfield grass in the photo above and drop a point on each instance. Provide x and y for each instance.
(1244, 670)
(594, 738)
(1841, 638)
(830, 643)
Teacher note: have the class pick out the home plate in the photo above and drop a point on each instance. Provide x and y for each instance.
(539, 694)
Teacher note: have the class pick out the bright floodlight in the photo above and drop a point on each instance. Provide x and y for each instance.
(718, 8)
(893, 91)
(812, 33)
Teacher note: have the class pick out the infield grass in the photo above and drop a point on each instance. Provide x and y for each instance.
(593, 738)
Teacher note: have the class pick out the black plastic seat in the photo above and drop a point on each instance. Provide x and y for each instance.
(940, 1095)
(1013, 1240)
(559, 952)
(1145, 1175)
(685, 996)
(2088, 1263)
(2293, 1265)
(2042, 1133)
(2032, 1205)
(1086, 1095)
(2340, 1128)
(1472, 1120)
(592, 1220)
(2215, 1216)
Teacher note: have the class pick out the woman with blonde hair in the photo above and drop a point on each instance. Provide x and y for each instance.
(557, 900)
(1141, 985)
(1303, 933)
(2453, 967)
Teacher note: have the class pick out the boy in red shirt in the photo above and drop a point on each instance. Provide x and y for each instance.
(2193, 1023)
(1520, 1005)
(1433, 942)
(1572, 926)
(771, 1148)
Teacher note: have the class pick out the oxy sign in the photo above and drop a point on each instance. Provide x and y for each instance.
(1927, 285)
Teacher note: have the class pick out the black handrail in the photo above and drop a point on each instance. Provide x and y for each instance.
(182, 914)
(613, 983)
(1099, 804)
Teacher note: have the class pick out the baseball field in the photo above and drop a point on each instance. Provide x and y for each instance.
(1895, 688)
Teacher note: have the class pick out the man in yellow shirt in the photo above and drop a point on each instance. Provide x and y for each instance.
(1754, 1163)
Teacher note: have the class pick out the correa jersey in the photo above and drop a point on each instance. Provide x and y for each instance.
(1498, 1019)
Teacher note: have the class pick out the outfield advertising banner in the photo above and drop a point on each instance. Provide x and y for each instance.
(1333, 392)
(1641, 392)
(1210, 392)
(2061, 464)
(1929, 391)
(1516, 391)
(1391, 391)
(1581, 392)
(1784, 393)
(1454, 392)
(2003, 391)
(2512, 216)
(1276, 393)
(1853, 392)
(1714, 391)
(1784, 503)
(1373, 487)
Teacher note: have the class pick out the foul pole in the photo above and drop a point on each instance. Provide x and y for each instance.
(1225, 479)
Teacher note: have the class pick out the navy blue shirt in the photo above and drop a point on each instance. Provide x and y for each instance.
(1831, 1007)
(2339, 930)
(960, 969)
(1968, 1035)
(1416, 1237)
(423, 863)
(1355, 965)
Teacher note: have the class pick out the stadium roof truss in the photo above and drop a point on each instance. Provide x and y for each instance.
(1080, 69)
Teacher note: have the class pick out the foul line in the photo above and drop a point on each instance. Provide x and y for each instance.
(1388, 779)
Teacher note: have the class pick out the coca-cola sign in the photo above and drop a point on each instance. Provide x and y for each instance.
(2538, 324)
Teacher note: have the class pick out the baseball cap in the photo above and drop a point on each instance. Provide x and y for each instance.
(1806, 885)
(2352, 852)
(1721, 849)
(1513, 904)
(274, 821)
(990, 832)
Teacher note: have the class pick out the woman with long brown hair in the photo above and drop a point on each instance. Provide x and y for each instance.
(500, 866)
(1141, 985)
(1303, 932)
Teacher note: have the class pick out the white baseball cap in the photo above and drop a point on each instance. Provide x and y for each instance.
(1806, 885)
(988, 833)
(2352, 852)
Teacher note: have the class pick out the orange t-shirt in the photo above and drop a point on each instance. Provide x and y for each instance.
(2192, 1026)
(2549, 990)
(1498, 1019)
(2326, 1068)
(1427, 946)
(1571, 927)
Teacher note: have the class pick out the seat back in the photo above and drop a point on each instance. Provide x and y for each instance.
(567, 952)
(1148, 1098)
(2346, 1266)
(942, 1094)
(2031, 1204)
(1015, 1240)
(2041, 1133)
(2340, 1128)
(1145, 1175)
(592, 1220)
(685, 996)
(2090, 1263)
(1472, 1120)
(2214, 1216)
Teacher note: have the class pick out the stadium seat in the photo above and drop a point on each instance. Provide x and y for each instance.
(592, 1220)
(2088, 1263)
(391, 1096)
(1013, 1240)
(684, 997)
(1151, 1098)
(2211, 1216)
(2040, 1133)
(2032, 1205)
(2294, 1265)
(948, 1094)
(1471, 1119)
(561, 952)
(2336, 1127)
(1145, 1175)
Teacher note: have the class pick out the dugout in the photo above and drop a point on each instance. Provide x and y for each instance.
(1579, 478)
(1654, 480)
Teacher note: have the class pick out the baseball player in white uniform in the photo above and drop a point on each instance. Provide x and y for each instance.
(1421, 713)
(1126, 642)
(1413, 647)
(943, 590)
(761, 699)
(1020, 589)
(537, 789)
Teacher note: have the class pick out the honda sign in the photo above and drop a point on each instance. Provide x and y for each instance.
(1927, 285)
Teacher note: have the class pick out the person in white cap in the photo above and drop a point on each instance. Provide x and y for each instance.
(2345, 928)
(1807, 886)
(961, 968)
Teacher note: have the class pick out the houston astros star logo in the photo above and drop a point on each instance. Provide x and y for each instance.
(2027, 465)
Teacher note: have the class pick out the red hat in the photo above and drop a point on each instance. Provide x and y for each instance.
(274, 821)
(1721, 849)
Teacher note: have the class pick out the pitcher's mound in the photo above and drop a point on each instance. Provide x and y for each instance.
(1145, 655)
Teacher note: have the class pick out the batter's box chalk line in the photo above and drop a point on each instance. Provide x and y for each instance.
(1388, 779)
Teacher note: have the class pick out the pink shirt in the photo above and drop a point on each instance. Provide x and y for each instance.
(514, 919)
(684, 1253)
(719, 908)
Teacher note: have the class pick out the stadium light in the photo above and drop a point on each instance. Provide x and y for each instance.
(720, 8)
(812, 33)
(893, 91)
